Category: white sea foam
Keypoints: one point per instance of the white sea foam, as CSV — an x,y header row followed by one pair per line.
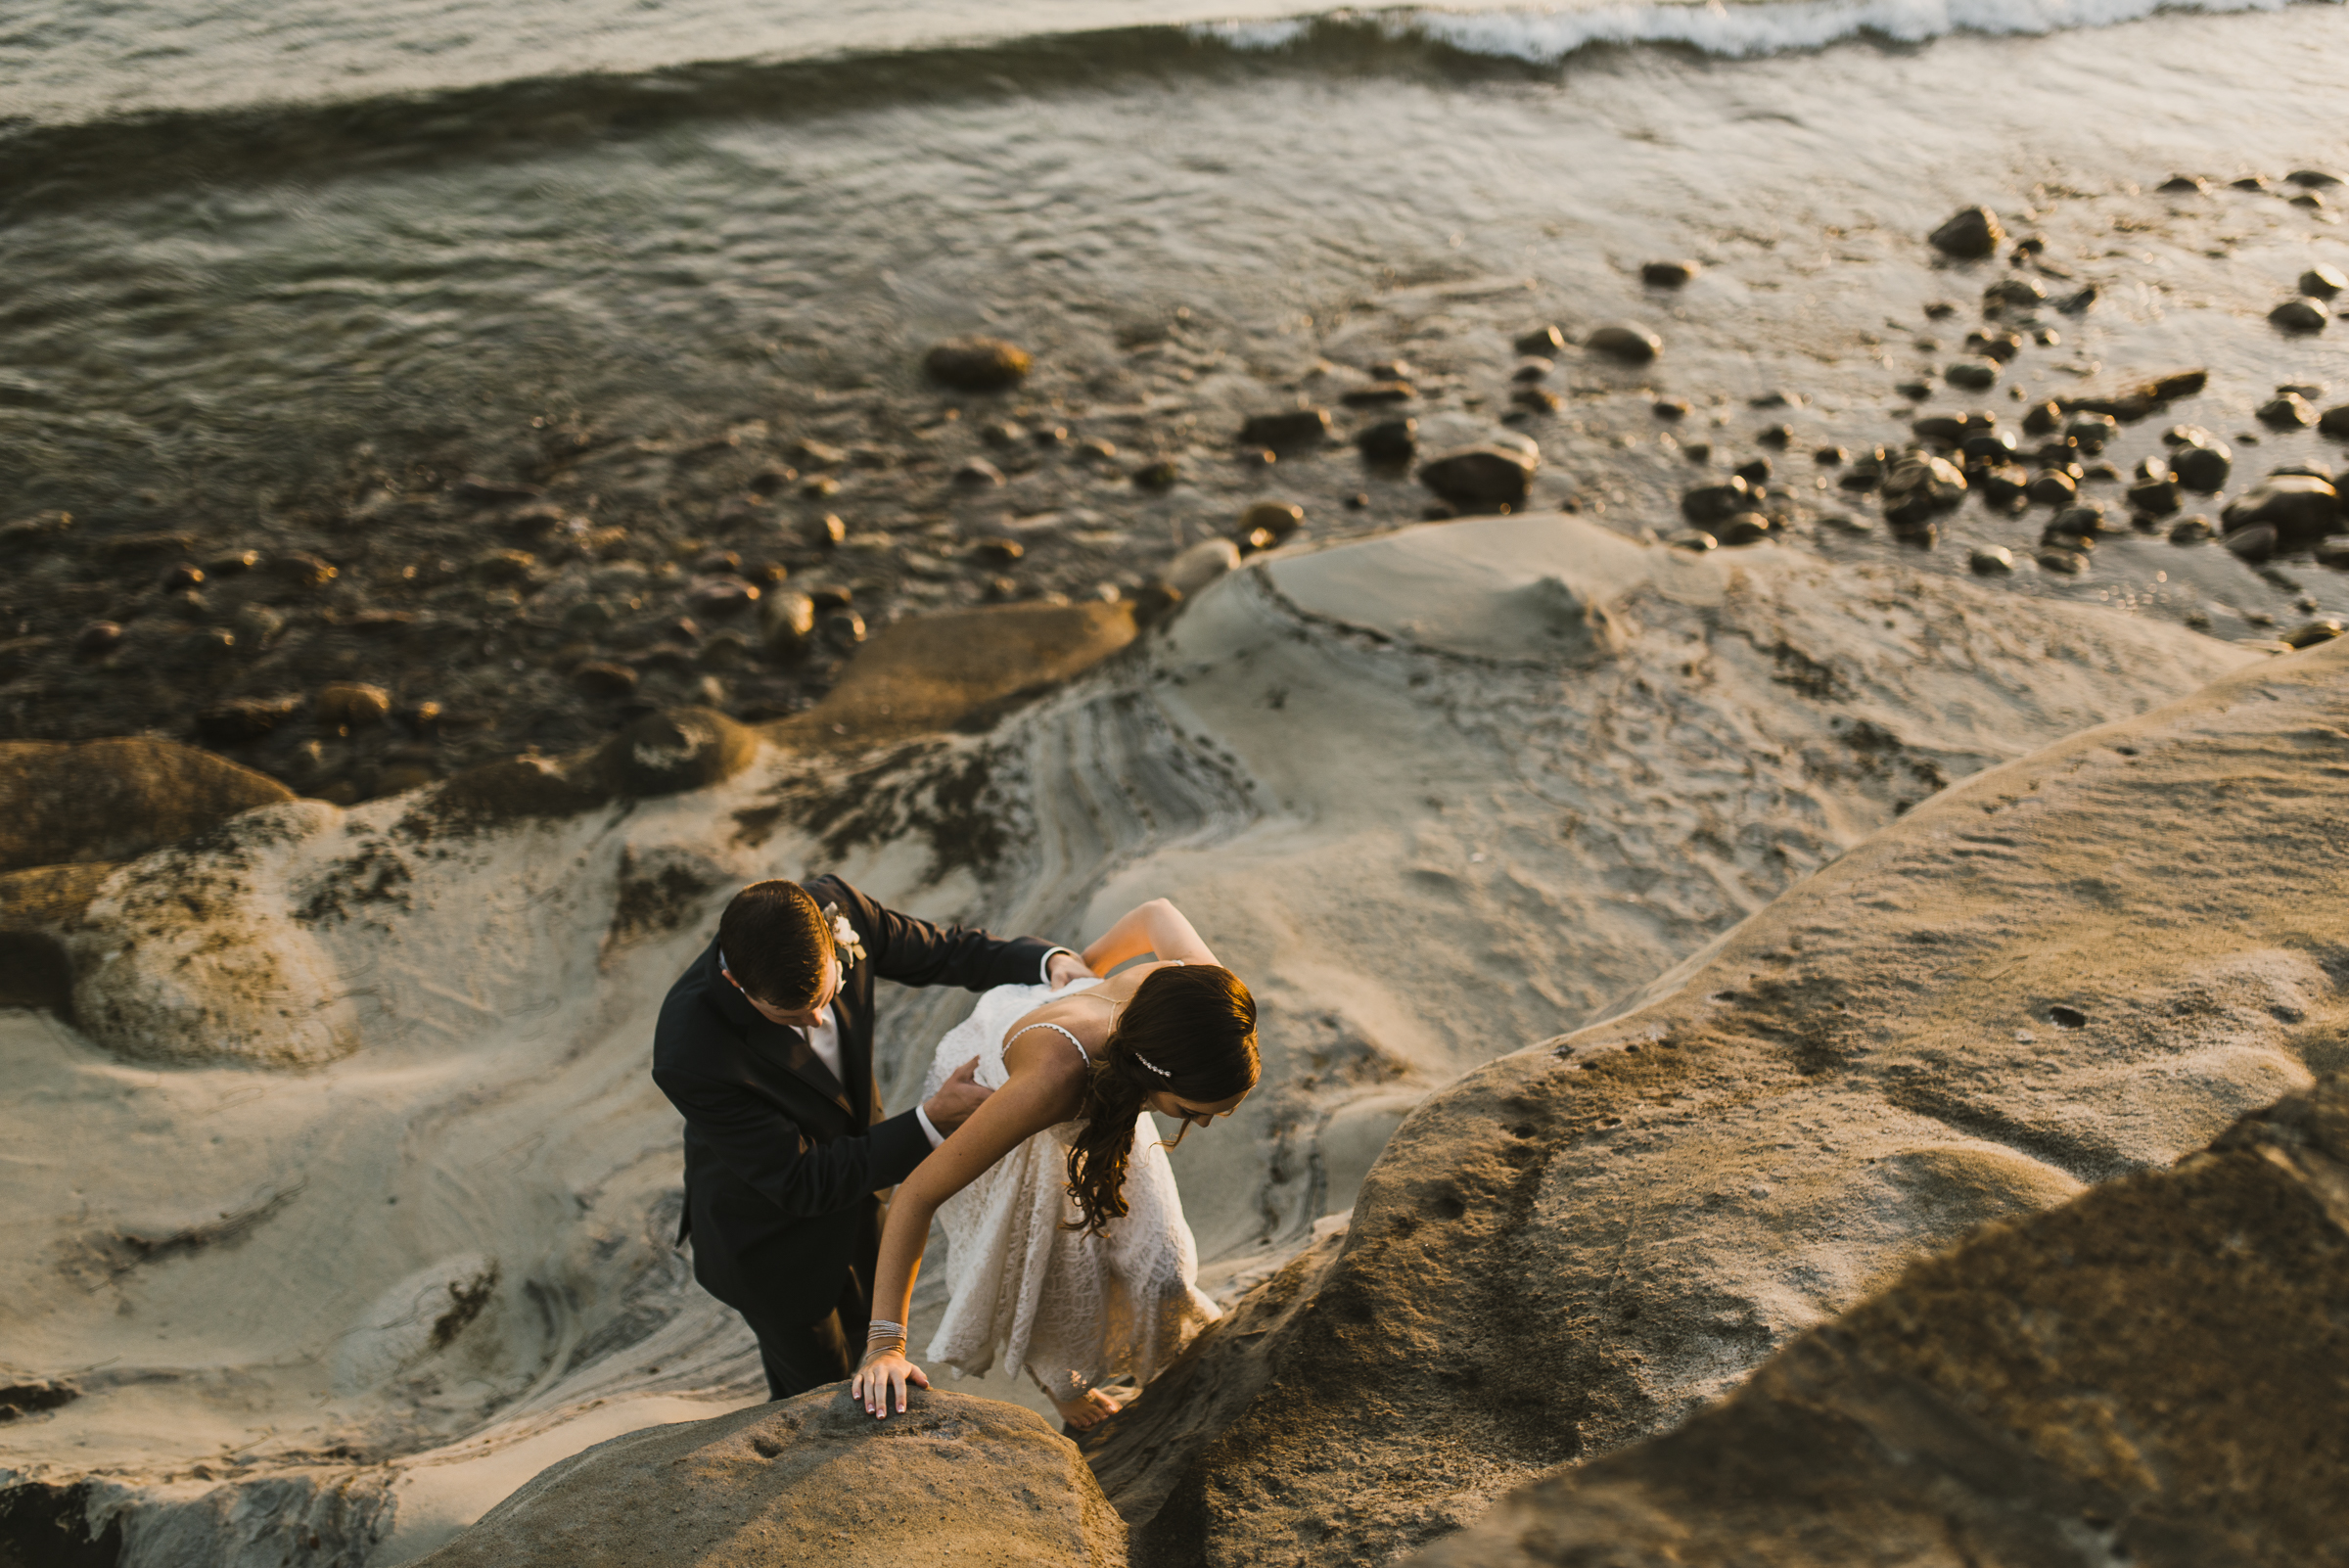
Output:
x,y
1757,27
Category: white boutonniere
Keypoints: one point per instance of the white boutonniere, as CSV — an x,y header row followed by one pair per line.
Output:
x,y
844,936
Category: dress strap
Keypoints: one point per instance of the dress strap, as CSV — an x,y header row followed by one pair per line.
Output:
x,y
1073,1039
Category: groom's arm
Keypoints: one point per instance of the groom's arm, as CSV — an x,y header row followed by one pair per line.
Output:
x,y
916,953
769,1152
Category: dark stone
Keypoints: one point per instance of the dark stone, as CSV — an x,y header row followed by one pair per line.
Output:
x,y
2287,411
2156,497
786,621
183,577
2195,529
2314,178
1746,528
1830,456
1534,399
2052,487
2334,422
299,568
2333,553
1989,447
2079,522
2041,418
1379,393
351,705
1990,560
98,639
1391,440
1625,341
1533,368
1917,392
1668,274
1543,339
2323,282
832,596
998,552
2255,543
722,596
2091,431
2311,633
2205,466
1916,486
1485,475
1270,522
244,718
1288,428
2061,561
1952,429
2300,315
1777,435
2185,185
1697,540
978,474
2002,485
1974,375
1162,475
977,364
2301,509
1669,408
2013,293
1755,472
2080,302
1969,234
1710,503
844,629
2178,384
600,677
827,531
1995,344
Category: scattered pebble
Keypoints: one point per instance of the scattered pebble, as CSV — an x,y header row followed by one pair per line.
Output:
x,y
1162,475
1286,429
2195,529
977,364
2300,315
1990,560
351,705
2287,411
600,677
2312,633
1486,474
1546,340
1668,274
1625,341
1975,375
1393,440
1969,234
2324,282
1669,408
978,474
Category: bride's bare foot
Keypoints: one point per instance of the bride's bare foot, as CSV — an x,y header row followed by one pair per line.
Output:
x,y
1091,1411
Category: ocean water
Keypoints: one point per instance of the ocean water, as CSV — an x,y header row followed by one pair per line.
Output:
x,y
240,243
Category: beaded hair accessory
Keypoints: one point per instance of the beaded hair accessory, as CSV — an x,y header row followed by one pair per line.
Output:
x,y
1153,1066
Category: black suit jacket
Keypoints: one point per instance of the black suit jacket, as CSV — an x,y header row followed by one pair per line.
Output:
x,y
782,1159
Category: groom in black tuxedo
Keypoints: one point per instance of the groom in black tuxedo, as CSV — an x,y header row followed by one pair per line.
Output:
x,y
765,1045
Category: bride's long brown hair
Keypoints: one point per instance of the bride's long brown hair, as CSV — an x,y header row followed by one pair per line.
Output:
x,y
1195,1021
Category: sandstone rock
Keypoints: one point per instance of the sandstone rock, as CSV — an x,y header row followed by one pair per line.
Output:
x,y
2176,1416
955,1481
930,673
1607,1226
1486,474
1628,342
115,800
672,751
977,364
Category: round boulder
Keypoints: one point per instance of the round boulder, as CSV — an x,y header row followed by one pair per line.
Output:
x,y
115,800
1488,473
675,750
977,364
953,1481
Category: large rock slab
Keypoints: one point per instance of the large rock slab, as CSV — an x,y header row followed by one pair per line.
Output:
x,y
114,800
953,1481
2068,968
2148,1375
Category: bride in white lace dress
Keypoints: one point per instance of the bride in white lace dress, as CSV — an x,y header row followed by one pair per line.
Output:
x,y
1067,1251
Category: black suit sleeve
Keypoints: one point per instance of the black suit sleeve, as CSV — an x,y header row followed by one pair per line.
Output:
x,y
770,1153
915,952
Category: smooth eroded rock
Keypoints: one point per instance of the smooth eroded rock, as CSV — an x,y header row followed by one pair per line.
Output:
x,y
115,800
977,364
1969,234
954,1482
2150,1366
1626,341
1488,473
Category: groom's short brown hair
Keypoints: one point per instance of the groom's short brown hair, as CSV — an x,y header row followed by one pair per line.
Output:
x,y
775,940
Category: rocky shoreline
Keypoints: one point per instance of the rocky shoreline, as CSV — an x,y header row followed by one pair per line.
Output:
x,y
526,593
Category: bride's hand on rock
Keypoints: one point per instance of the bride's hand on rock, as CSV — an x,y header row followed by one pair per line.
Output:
x,y
883,1376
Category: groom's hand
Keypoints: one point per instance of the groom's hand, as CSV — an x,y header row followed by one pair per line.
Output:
x,y
956,1098
1063,967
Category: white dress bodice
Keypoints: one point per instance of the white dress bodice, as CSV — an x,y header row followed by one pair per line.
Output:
x,y
1076,1309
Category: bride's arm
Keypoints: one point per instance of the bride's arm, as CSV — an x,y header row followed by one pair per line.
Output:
x,y
1155,927
1027,1104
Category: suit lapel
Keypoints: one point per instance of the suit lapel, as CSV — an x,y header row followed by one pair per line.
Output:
x,y
790,1046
